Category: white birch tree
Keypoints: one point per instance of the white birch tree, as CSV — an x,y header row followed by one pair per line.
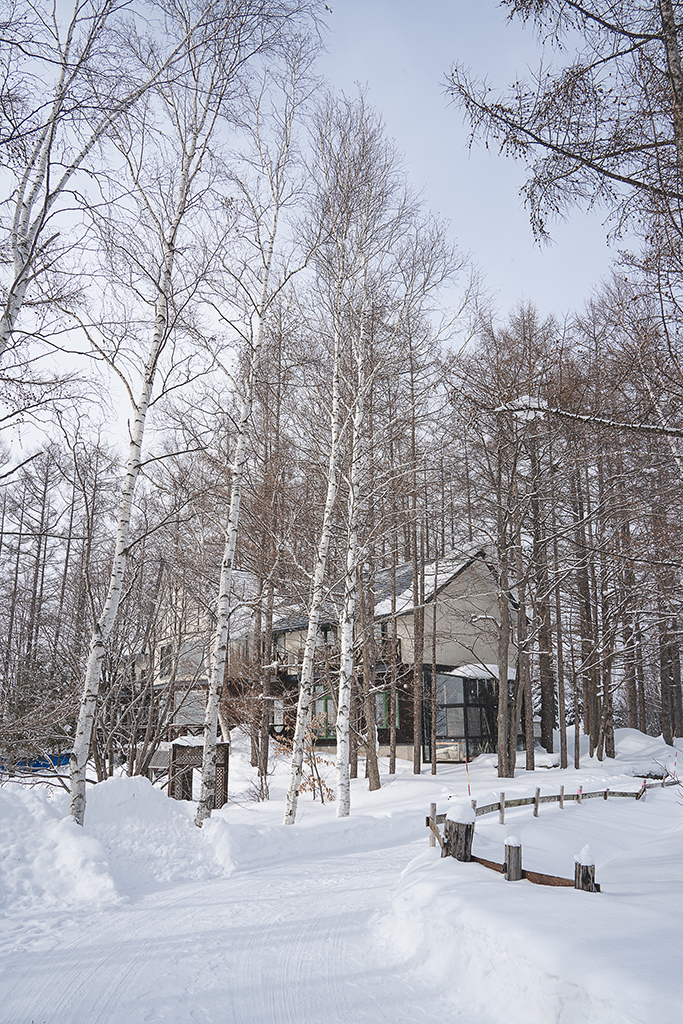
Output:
x,y
317,597
193,100
67,81
272,115
367,218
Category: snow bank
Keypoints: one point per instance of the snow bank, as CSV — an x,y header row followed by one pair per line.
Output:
x,y
532,954
495,949
483,949
134,840
45,858
150,841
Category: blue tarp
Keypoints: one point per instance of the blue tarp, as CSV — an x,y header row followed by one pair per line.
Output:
x,y
39,764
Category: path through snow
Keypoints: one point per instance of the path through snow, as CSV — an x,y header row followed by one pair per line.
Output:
x,y
292,946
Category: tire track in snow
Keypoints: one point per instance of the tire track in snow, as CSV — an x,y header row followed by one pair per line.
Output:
x,y
269,946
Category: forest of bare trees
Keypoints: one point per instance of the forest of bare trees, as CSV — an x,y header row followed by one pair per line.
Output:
x,y
229,334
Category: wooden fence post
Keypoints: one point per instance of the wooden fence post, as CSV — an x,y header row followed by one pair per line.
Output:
x,y
606,793
513,859
432,818
536,800
501,812
578,794
584,871
561,797
459,832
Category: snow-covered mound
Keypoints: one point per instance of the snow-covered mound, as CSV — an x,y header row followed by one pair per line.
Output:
x,y
45,858
140,916
134,840
150,841
531,954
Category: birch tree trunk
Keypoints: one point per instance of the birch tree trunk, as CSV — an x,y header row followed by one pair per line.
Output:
x,y
432,731
348,616
220,641
317,594
275,168
346,630
103,624
369,663
208,67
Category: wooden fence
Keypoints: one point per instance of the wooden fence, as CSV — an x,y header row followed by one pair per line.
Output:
x,y
433,821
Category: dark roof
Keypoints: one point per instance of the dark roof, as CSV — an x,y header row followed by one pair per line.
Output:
x,y
293,615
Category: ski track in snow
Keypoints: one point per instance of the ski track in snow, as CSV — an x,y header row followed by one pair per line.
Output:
x,y
256,948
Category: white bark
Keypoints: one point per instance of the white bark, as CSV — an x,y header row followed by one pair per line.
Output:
x,y
103,626
317,593
192,154
211,59
348,616
220,641
346,623
364,215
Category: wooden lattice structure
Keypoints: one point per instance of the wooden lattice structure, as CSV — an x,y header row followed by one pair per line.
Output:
x,y
181,760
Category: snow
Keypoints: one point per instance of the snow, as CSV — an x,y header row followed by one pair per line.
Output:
x,y
585,858
478,671
141,917
461,812
435,573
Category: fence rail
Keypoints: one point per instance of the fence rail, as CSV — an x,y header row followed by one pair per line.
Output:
x,y
561,797
458,841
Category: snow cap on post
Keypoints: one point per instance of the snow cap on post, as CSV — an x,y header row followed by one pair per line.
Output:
x,y
512,841
461,812
585,858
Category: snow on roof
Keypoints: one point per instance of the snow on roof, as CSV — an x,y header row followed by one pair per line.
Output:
x,y
439,573
244,591
293,614
478,671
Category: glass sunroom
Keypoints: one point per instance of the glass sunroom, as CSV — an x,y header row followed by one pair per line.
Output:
x,y
466,714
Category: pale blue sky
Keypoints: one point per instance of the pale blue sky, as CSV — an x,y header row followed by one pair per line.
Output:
x,y
402,50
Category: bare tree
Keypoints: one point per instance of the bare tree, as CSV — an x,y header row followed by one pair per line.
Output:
x,y
67,81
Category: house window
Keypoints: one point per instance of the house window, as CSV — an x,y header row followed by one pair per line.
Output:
x,y
323,716
165,658
449,689
465,716
383,710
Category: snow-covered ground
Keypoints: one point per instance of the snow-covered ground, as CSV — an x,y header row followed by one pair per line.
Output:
x,y
141,917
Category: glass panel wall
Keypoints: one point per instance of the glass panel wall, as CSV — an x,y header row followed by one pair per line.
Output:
x,y
465,717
